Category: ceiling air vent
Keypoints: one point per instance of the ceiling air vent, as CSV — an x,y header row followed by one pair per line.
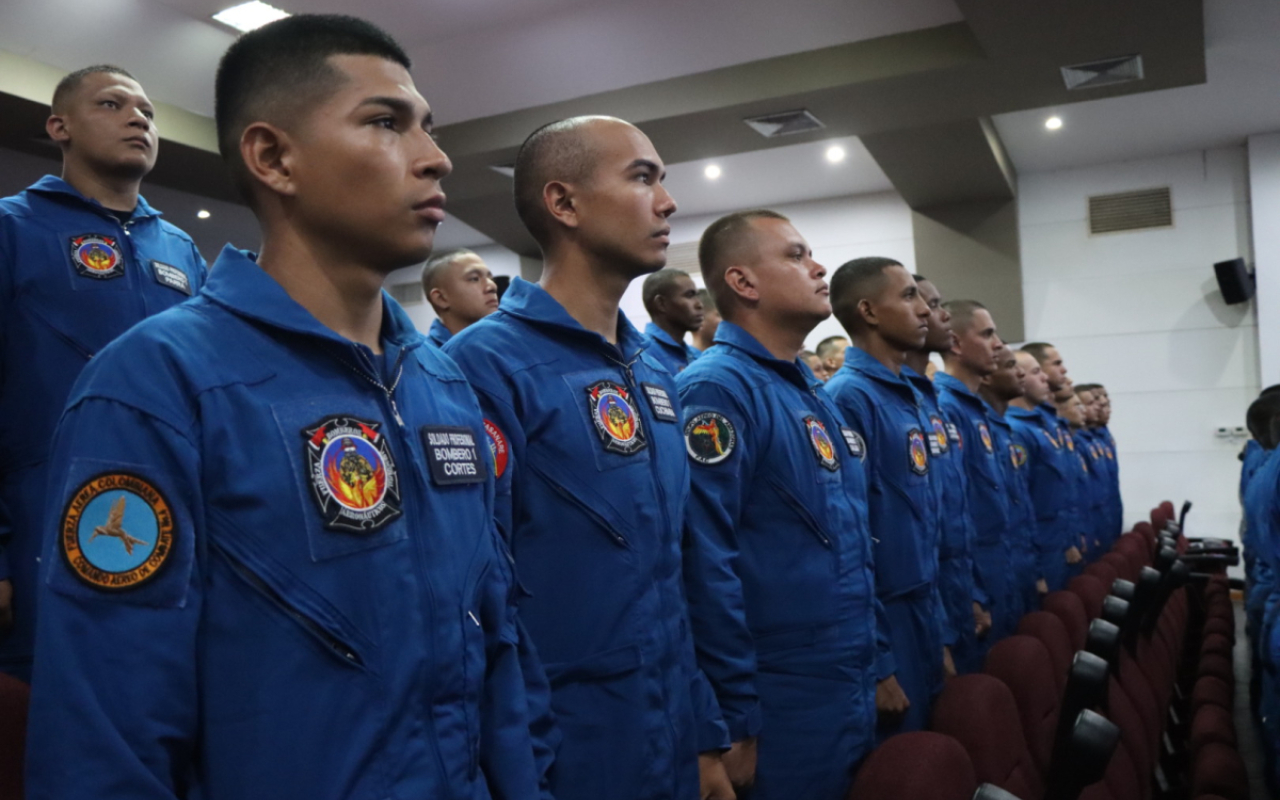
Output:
x,y
684,257
1131,211
1106,72
784,124
406,294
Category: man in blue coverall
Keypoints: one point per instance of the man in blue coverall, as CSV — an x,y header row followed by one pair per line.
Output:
x,y
593,482
1071,413
962,594
971,358
1116,502
82,259
272,564
1055,371
879,305
1098,518
461,290
1005,384
1036,426
779,572
675,309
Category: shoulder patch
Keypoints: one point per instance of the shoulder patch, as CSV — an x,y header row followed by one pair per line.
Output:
x,y
97,256
985,435
709,437
171,276
498,448
659,402
857,445
615,418
940,435
117,531
918,453
352,474
822,446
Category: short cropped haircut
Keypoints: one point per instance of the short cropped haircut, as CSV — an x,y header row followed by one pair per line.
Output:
x,y
1038,350
962,312
69,83
280,70
1261,413
809,354
722,244
828,346
1087,387
659,284
436,265
558,151
855,281
708,302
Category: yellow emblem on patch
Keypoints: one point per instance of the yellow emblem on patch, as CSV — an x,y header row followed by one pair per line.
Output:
x,y
117,531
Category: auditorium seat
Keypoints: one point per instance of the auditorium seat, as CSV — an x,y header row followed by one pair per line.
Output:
x,y
1092,591
922,765
14,698
1068,607
1053,635
1023,664
980,712
1219,769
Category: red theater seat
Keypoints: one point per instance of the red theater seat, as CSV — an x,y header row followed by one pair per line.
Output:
x,y
14,697
979,712
1023,664
916,766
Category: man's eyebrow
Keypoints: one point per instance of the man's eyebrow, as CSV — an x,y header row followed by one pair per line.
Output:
x,y
397,104
648,165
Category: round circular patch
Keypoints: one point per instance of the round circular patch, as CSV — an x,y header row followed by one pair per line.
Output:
x,y
918,452
985,435
97,256
354,474
1018,455
497,448
709,437
117,531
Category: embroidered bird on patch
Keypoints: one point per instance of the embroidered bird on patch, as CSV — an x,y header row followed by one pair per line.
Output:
x,y
114,527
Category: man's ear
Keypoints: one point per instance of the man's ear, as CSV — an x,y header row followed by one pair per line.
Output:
x,y
268,156
954,349
56,127
867,313
742,282
438,300
561,203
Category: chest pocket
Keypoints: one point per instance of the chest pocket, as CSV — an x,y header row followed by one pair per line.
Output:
x,y
347,478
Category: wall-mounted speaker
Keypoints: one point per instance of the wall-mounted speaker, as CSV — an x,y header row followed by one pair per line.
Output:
x,y
1235,280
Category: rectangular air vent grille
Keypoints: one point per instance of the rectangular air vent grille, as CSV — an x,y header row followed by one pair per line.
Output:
x,y
1106,72
1131,211
784,123
406,294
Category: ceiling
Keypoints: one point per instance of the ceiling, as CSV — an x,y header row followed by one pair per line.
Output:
x,y
887,74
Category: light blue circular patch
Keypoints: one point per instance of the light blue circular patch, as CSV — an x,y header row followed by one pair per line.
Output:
x,y
116,537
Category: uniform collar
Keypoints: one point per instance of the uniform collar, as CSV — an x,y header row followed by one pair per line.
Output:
x,y
1032,415
736,337
239,284
54,186
957,387
535,305
654,332
439,332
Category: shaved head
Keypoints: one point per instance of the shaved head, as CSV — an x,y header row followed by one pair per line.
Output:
x,y
560,151
962,314
729,241
855,281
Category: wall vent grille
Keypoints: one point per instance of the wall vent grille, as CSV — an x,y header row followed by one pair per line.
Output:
x,y
1131,211
1106,72
406,294
784,123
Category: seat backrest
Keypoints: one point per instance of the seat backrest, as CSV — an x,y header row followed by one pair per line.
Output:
x,y
1092,591
1053,635
922,765
979,712
14,698
1068,607
1023,664
1102,571
1122,566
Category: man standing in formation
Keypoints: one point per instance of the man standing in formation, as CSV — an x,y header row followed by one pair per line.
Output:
x,y
676,310
461,290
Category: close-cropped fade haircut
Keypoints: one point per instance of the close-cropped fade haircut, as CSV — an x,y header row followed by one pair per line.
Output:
x,y
659,284
723,243
1261,414
855,281
558,151
279,71
830,346
438,263
1038,350
70,82
962,312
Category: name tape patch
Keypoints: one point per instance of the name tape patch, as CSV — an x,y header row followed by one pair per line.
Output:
x,y
453,455
660,402
171,276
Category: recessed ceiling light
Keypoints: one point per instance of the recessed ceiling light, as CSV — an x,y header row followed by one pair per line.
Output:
x,y
1053,123
202,214
712,171
835,154
249,16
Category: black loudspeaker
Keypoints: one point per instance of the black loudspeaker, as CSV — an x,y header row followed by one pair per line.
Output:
x,y
1235,280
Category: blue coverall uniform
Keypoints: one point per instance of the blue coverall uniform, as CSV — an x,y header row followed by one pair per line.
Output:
x,y
270,576
780,577
1116,502
1100,514
592,488
993,550
957,575
1050,483
1082,491
1262,523
438,333
1012,456
72,278
1252,458
673,355
904,513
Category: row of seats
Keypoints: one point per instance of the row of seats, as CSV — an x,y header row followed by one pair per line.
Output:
x,y
1119,688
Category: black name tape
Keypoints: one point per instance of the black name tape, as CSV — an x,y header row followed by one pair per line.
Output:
x,y
660,402
174,278
452,455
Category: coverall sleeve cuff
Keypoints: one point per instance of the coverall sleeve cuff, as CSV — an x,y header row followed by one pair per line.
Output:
x,y
885,666
980,597
743,726
712,736
4,566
